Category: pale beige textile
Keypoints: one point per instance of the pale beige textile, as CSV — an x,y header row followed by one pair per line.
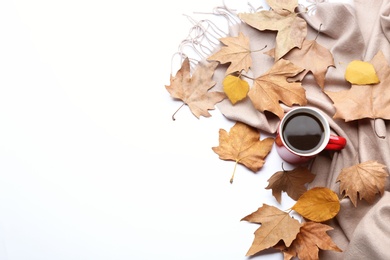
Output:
x,y
357,32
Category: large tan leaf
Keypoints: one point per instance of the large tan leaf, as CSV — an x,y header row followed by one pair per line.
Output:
x,y
272,87
291,29
364,180
293,182
194,90
365,101
276,225
318,204
311,237
243,145
313,57
236,52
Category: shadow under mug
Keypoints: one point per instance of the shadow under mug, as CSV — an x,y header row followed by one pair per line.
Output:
x,y
303,133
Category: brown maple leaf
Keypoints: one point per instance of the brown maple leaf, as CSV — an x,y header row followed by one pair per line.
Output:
x,y
365,101
276,225
272,87
236,52
311,237
293,182
243,145
313,57
364,180
291,29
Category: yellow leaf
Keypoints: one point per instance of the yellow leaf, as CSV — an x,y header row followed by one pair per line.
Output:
x,y
318,204
235,88
361,73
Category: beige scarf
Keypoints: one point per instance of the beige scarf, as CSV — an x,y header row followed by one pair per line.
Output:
x,y
358,32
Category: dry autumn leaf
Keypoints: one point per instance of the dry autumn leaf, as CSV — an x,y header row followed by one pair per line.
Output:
x,y
361,73
365,101
293,182
318,204
311,237
236,52
272,87
291,29
276,225
313,57
194,90
364,180
243,145
235,88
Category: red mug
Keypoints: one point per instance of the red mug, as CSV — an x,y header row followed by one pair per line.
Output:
x,y
303,133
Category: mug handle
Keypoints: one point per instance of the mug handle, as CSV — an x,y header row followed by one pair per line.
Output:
x,y
336,143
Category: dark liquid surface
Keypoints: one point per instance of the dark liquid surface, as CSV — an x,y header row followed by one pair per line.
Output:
x,y
303,133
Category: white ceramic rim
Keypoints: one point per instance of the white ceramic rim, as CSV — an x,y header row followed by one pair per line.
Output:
x,y
318,114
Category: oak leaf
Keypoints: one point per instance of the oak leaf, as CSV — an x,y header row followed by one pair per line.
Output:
x,y
364,180
293,182
235,88
243,145
361,73
276,225
365,101
313,57
236,52
311,237
318,204
272,87
291,29
194,90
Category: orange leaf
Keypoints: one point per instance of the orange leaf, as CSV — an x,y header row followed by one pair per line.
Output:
x,y
193,90
272,87
242,145
293,182
364,179
276,225
236,52
318,204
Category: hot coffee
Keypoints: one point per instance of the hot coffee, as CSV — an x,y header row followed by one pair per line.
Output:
x,y
303,132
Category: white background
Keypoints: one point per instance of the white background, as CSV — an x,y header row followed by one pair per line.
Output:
x,y
91,164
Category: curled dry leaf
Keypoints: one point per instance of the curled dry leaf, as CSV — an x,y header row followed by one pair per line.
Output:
x,y
291,29
313,57
364,180
318,204
365,101
272,87
276,225
235,88
311,237
236,52
293,182
243,145
194,90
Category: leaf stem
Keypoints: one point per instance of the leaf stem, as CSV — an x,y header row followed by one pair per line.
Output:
x,y
260,49
234,171
245,76
173,116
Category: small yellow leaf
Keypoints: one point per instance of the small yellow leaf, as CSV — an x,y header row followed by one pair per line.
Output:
x,y
235,88
361,73
318,204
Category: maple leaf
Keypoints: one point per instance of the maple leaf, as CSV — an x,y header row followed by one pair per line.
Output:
x,y
291,29
236,52
235,88
318,204
193,90
364,179
276,225
293,182
311,237
272,87
313,57
243,145
365,101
